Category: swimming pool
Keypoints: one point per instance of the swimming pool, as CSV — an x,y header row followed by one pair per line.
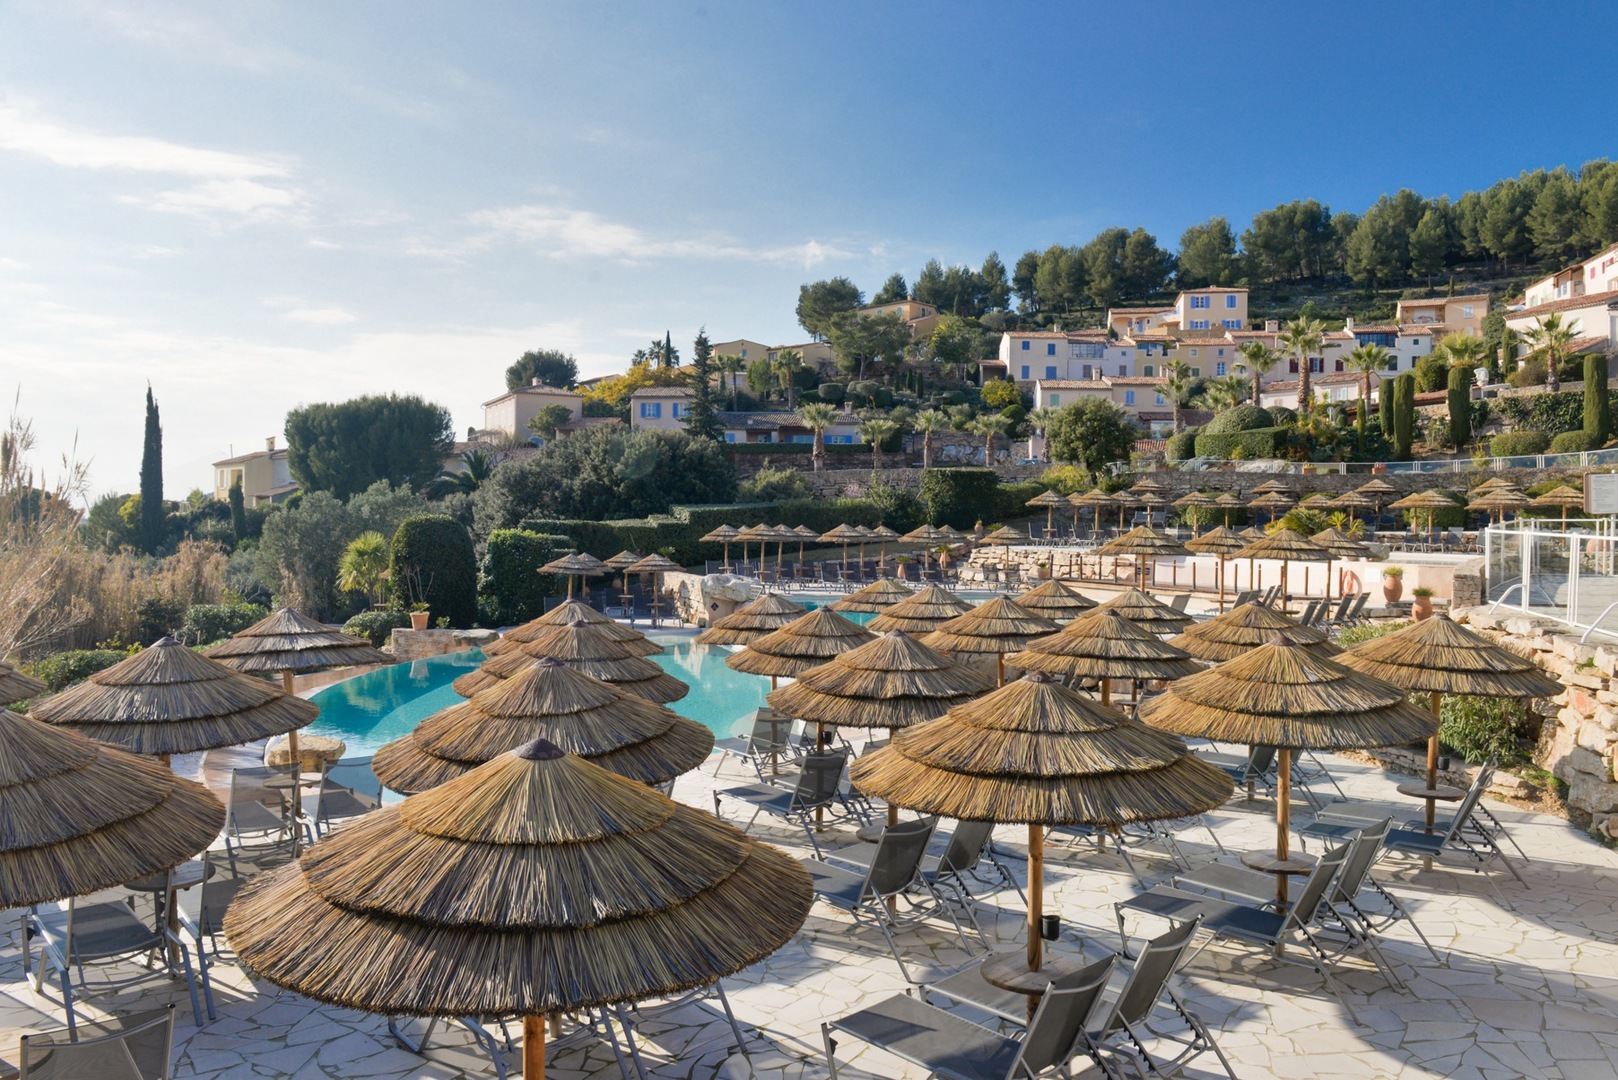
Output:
x,y
379,706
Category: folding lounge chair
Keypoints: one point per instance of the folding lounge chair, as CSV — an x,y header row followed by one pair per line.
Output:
x,y
764,748
137,1047
1135,1024
348,790
817,789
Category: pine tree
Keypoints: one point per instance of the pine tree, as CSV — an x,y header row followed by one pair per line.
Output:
x,y
151,481
1597,415
238,511
700,419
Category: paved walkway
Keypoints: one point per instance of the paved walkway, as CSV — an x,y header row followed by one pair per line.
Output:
x,y
1529,990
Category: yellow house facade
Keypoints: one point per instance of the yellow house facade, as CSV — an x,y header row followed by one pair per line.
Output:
x,y
511,411
1445,314
264,474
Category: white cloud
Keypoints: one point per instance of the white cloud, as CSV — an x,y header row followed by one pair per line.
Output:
x,y
226,184
320,316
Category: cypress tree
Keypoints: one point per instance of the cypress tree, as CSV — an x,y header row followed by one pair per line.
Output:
x,y
700,419
1597,414
238,511
1384,407
1404,415
151,480
1460,406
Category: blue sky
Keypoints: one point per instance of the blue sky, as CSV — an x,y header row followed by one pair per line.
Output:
x,y
256,205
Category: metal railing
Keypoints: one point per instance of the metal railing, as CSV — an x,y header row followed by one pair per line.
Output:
x,y
1582,460
1564,570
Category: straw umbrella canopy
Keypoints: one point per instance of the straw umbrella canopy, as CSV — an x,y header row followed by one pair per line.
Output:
x,y
1104,645
1560,497
1432,500
921,613
1289,546
15,686
1499,501
1318,501
1341,546
747,534
1251,533
656,564
1145,544
806,642
752,621
1272,487
168,699
1245,627
1494,483
82,816
1149,487
725,535
1379,491
884,535
584,647
874,598
782,535
627,734
1198,500
1227,502
992,629
1436,657
624,560
536,884
1273,503
1095,498
803,533
580,564
1147,612
1219,541
570,611
1125,501
926,536
1050,500
1037,753
1055,600
844,534
1352,501
1282,695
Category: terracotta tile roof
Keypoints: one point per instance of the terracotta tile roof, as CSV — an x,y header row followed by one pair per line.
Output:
x,y
1571,303
662,392
1036,334
1437,329
1139,311
1440,301
1155,415
1214,288
1072,384
587,422
1134,380
1380,328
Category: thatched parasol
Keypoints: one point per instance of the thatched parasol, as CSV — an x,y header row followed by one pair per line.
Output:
x,y
657,565
1352,501
1036,753
1341,546
1560,497
168,699
1054,600
803,533
1499,501
622,732
747,534
1432,500
1095,498
1050,500
1379,491
1125,502
623,560
1145,544
752,621
1244,628
1104,645
1251,533
921,613
1285,696
1435,656
580,564
584,647
15,686
1287,545
1318,501
1273,503
1494,483
1227,502
806,642
844,534
874,598
567,612
1272,487
536,884
1147,612
992,629
1149,487
725,534
1197,501
1219,541
82,816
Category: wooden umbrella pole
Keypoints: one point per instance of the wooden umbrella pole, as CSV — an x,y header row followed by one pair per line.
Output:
x,y
1432,759
533,1048
1221,584
1106,691
1036,895
1283,817
297,770
1000,668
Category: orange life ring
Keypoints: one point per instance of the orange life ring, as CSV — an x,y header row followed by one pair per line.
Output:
x,y
1347,582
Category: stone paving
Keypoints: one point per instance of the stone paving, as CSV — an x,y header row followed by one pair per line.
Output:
x,y
1528,990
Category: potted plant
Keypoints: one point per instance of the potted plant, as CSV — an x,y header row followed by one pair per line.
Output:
x,y
1393,585
418,616
903,562
1042,571
1422,606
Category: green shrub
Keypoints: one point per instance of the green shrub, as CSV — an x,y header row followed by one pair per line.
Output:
x,y
952,397
1480,728
1550,413
1575,442
64,669
1239,418
511,589
1266,442
207,623
1011,501
1519,443
1281,416
157,617
774,483
1182,446
831,393
377,626
1358,635
431,561
959,497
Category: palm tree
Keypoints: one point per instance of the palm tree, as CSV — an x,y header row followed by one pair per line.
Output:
x,y
1463,351
928,421
989,425
1366,359
1177,387
731,366
1554,336
788,362
1257,358
364,565
1224,392
817,416
1040,420
874,431
1304,336
479,467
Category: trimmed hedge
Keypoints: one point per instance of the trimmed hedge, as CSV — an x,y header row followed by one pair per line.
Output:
x,y
1239,418
1183,446
1281,416
1011,501
960,498
1266,442
1519,443
511,589
432,560
1576,442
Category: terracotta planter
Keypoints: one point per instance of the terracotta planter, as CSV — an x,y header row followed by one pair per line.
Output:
x,y
418,620
1043,573
1421,607
1392,588
902,572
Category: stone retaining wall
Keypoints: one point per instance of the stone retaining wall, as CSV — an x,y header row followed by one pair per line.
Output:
x,y
408,644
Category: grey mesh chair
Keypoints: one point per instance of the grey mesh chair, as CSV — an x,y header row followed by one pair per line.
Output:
x,y
818,788
257,812
763,748
948,1045
350,789
139,1049
964,863
1134,1026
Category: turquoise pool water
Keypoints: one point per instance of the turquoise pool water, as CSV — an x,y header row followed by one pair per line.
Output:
x,y
379,706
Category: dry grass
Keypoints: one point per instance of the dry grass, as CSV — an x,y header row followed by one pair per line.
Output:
x,y
15,686
1435,655
1147,612
1241,629
1054,600
805,643
291,641
1036,752
1282,695
584,647
81,816
170,700
752,621
574,611
534,884
1104,645
892,682
874,598
620,732
921,613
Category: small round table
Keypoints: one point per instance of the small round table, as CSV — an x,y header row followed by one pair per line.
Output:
x,y
187,875
1267,863
1009,971
1442,793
